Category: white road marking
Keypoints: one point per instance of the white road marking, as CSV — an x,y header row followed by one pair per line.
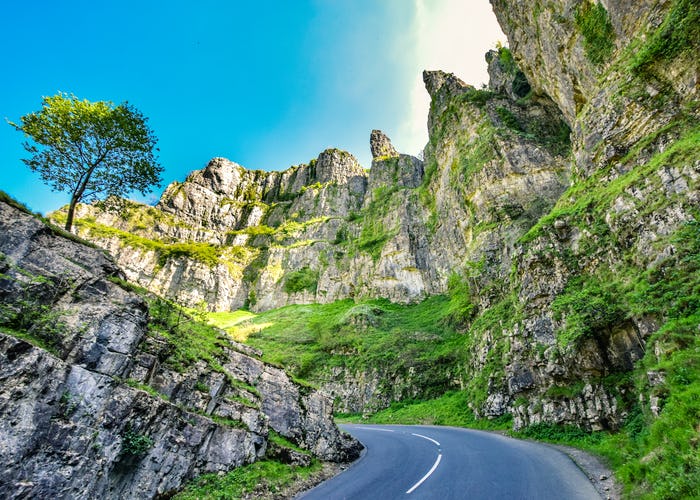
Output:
x,y
376,429
425,437
432,469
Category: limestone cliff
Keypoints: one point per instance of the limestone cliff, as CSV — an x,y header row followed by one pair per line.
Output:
x,y
98,399
555,195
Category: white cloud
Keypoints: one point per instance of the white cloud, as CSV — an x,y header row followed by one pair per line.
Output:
x,y
451,35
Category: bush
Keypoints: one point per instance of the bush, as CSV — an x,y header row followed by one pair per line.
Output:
x,y
303,279
135,444
589,305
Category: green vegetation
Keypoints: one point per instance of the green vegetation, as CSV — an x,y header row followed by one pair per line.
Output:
x,y
509,119
203,252
590,198
449,409
135,444
654,456
145,387
190,340
283,442
374,234
90,150
31,313
310,339
300,280
597,31
679,32
6,198
591,305
261,479
521,87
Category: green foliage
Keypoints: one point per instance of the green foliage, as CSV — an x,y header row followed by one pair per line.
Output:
x,y
260,230
145,387
477,96
597,31
373,237
265,477
90,150
679,32
505,57
565,391
300,280
590,305
509,119
34,321
135,444
449,409
206,253
591,198
308,340
283,442
29,310
189,340
341,236
461,309
559,434
374,234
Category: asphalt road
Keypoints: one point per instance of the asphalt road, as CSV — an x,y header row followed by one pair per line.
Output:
x,y
441,463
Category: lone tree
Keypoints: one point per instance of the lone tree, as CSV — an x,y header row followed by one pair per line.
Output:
x,y
91,150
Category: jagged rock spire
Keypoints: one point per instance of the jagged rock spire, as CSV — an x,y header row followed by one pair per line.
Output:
x,y
380,145
436,80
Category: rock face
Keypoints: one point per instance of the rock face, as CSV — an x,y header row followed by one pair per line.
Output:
x,y
380,145
100,411
576,165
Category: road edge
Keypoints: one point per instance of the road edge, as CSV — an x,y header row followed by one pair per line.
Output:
x,y
595,469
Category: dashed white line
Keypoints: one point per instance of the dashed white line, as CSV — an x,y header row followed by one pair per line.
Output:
x,y
376,429
425,437
432,469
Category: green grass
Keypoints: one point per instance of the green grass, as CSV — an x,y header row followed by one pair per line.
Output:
x,y
592,197
679,32
310,339
597,31
590,305
262,479
203,252
374,234
6,198
190,340
449,409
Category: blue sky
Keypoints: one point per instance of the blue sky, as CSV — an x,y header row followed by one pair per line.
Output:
x,y
267,84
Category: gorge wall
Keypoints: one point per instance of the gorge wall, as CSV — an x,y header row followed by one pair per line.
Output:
x,y
562,196
100,395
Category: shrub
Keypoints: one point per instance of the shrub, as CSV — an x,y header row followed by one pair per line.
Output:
x,y
303,279
597,31
134,444
589,305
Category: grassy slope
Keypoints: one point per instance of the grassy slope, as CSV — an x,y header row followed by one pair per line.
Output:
x,y
372,334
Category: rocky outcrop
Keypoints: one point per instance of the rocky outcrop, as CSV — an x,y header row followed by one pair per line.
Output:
x,y
380,145
93,404
575,163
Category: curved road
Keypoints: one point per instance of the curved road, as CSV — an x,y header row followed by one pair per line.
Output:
x,y
426,462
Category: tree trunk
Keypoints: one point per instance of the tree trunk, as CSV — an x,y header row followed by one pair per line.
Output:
x,y
71,213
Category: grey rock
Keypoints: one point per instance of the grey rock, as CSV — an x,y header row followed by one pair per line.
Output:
x,y
380,145
69,422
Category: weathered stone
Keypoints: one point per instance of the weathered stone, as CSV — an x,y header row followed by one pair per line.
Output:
x,y
380,145
69,425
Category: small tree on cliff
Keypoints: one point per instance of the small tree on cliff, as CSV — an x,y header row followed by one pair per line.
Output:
x,y
91,150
